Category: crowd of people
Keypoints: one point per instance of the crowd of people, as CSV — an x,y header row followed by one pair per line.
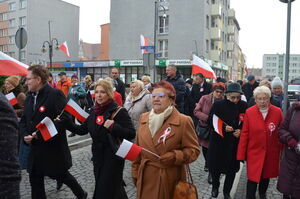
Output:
x,y
176,119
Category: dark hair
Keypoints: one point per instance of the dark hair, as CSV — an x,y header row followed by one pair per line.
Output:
x,y
172,66
199,75
168,86
240,82
40,71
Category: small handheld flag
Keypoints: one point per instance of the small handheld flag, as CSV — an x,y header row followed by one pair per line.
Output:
x,y
218,125
11,98
47,128
129,151
73,108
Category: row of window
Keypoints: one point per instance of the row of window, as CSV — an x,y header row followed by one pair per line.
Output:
x,y
280,58
13,5
4,48
275,64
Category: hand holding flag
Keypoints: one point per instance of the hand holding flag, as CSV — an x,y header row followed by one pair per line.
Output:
x,y
47,128
73,108
11,98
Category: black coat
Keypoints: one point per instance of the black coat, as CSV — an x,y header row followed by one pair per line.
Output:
x,y
120,88
108,168
222,151
248,89
10,175
53,156
197,92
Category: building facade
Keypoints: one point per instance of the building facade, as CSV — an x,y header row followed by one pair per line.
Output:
x,y
35,16
207,28
273,66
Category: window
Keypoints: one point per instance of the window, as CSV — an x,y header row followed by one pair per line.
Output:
x,y
163,47
207,45
3,48
207,21
11,39
163,24
12,6
12,54
3,16
22,54
229,54
22,21
23,4
3,32
12,23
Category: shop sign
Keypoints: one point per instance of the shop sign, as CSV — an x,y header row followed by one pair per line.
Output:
x,y
96,64
73,64
180,62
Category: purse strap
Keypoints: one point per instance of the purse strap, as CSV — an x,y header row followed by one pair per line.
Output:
x,y
189,175
116,112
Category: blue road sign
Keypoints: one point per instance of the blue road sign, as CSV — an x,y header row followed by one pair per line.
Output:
x,y
147,47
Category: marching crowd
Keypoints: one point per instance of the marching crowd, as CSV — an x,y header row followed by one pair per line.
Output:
x,y
174,119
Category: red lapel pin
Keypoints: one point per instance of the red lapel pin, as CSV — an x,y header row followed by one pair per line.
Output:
x,y
100,120
42,109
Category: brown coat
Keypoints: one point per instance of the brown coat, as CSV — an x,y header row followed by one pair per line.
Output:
x,y
153,178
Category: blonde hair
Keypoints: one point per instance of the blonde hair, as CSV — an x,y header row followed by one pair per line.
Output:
x,y
146,78
107,86
262,90
139,83
265,83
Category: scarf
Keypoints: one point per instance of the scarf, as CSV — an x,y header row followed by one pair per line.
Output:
x,y
157,120
101,108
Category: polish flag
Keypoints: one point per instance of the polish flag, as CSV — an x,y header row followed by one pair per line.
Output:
x,y
11,98
73,108
128,150
10,66
47,128
246,70
144,42
64,48
218,124
92,92
200,66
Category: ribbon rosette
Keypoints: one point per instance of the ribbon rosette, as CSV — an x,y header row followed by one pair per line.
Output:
x,y
272,127
166,134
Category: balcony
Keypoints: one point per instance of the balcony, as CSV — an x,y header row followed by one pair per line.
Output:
x,y
215,33
230,29
215,55
216,10
231,13
230,46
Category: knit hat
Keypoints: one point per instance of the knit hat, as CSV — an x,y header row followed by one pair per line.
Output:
x,y
13,80
234,88
277,82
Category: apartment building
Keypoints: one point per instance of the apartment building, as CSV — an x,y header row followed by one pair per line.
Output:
x,y
207,28
273,65
34,16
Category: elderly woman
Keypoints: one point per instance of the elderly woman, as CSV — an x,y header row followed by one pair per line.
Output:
x,y
202,111
147,82
138,101
289,174
223,144
259,143
277,90
107,124
170,135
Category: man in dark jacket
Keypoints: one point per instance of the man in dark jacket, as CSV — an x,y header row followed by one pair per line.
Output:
x,y
249,87
46,158
174,77
9,167
120,87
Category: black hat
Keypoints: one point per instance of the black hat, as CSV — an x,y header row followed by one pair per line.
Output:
x,y
189,81
62,73
234,88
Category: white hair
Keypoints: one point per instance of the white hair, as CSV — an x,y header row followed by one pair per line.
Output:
x,y
262,90
139,83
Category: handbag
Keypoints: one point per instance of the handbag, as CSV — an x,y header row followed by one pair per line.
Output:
x,y
202,132
114,142
186,190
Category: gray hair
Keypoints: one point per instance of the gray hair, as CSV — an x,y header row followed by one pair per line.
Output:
x,y
262,90
139,83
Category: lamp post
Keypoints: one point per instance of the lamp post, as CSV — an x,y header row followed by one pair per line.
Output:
x,y
287,54
156,6
50,44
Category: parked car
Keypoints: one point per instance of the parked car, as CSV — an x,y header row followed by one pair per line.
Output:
x,y
294,92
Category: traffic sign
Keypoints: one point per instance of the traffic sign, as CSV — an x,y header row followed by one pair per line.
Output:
x,y
147,47
21,38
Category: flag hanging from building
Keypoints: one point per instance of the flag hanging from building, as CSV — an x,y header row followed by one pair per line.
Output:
x,y
11,98
200,66
128,150
73,108
11,66
47,128
144,42
65,49
218,125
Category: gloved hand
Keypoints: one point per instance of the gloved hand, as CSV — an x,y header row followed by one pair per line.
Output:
x,y
167,158
292,143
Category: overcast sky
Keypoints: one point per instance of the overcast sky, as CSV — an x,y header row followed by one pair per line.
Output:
x,y
262,22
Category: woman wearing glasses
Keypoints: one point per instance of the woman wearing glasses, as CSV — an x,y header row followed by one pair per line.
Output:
x,y
223,145
259,143
170,135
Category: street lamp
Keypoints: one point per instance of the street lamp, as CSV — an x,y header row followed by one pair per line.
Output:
x,y
50,44
156,6
287,54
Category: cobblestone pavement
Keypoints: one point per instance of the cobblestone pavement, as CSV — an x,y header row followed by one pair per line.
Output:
x,y
83,171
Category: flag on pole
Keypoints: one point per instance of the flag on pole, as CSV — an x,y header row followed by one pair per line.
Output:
x,y
47,128
11,66
73,108
64,48
11,98
218,125
144,42
246,70
128,150
200,66
92,92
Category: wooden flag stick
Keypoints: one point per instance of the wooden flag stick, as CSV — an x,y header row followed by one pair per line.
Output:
x,y
61,113
151,152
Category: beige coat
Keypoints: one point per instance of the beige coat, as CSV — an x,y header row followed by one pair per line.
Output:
x,y
153,178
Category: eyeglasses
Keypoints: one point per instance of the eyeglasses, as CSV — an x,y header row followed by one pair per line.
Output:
x,y
160,95
262,99
234,97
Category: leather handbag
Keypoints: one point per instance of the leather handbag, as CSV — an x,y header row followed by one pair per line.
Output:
x,y
186,190
202,132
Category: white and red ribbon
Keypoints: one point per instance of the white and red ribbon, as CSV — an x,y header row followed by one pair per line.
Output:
x,y
272,128
166,134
